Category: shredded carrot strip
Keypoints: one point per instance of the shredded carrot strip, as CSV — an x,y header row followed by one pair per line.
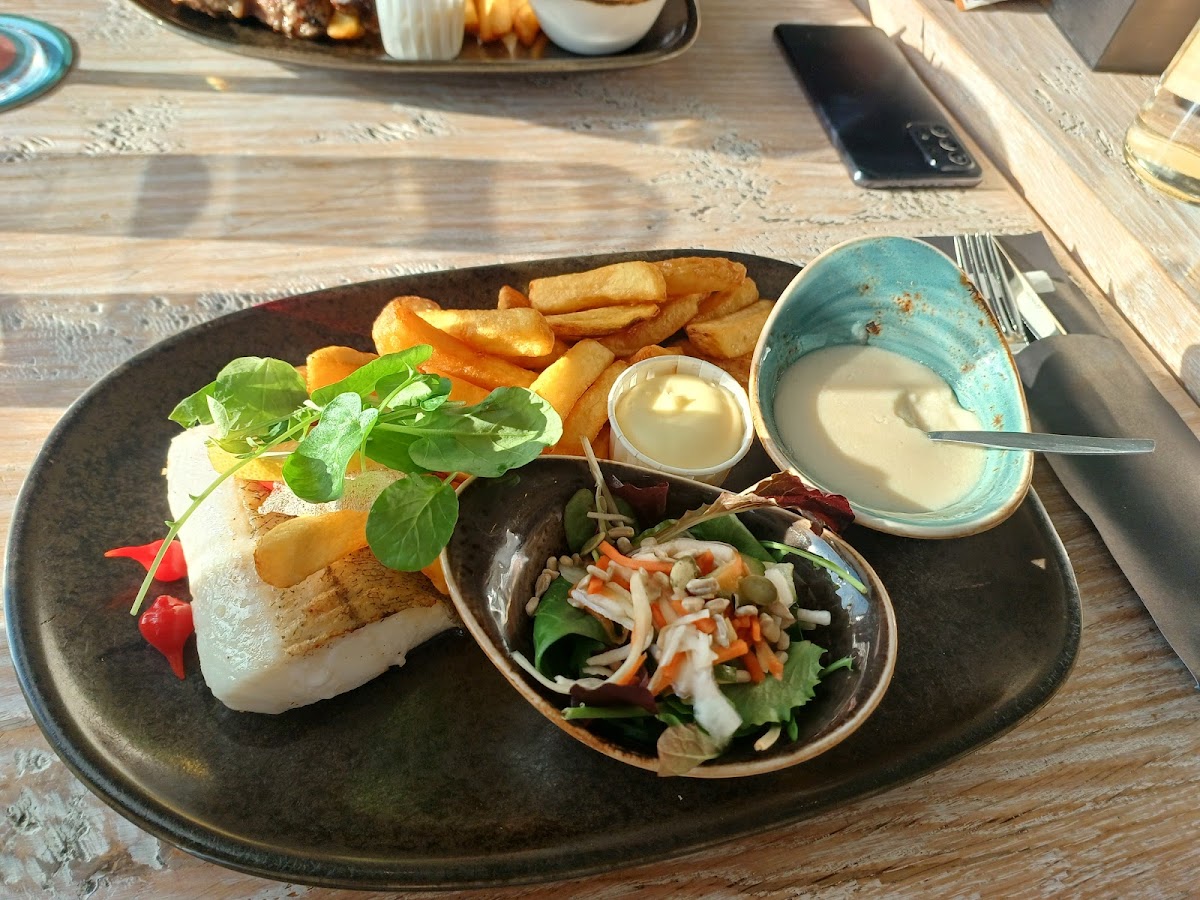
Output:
x,y
733,651
677,605
630,676
774,666
665,676
755,630
667,612
619,580
596,585
660,621
650,565
708,626
706,561
750,661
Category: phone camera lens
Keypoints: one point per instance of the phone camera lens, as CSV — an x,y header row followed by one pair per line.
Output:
x,y
947,144
940,131
959,158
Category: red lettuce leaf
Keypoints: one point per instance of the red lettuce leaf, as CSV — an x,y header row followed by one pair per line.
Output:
x,y
649,503
831,510
614,694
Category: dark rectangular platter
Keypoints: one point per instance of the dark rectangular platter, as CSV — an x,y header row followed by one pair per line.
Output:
x,y
438,774
673,32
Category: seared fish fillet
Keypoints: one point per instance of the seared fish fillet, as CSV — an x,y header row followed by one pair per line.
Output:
x,y
265,649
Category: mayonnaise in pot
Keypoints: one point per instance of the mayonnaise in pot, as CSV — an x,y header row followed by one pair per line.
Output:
x,y
681,420
854,418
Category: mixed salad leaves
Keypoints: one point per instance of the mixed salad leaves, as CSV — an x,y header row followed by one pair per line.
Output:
x,y
387,412
682,637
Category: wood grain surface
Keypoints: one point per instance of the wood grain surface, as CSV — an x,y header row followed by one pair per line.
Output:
x,y
1057,129
167,183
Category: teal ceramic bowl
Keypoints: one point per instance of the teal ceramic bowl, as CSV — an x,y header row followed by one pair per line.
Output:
x,y
902,295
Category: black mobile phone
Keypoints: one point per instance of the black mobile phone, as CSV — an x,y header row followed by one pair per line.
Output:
x,y
887,126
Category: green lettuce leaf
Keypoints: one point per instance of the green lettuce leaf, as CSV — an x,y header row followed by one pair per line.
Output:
x,y
772,700
556,619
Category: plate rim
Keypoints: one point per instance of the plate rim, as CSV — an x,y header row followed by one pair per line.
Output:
x,y
511,66
513,868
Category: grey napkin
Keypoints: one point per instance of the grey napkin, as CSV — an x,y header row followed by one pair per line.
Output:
x,y
1145,506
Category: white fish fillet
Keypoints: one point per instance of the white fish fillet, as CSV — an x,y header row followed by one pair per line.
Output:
x,y
267,650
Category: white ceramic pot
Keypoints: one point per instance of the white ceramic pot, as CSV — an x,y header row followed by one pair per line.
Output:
x,y
421,29
596,27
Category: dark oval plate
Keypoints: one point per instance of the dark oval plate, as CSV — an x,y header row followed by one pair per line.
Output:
x,y
439,774
673,32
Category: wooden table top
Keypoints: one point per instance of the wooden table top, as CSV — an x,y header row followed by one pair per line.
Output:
x,y
166,183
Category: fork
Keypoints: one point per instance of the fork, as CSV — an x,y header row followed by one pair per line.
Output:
x,y
978,257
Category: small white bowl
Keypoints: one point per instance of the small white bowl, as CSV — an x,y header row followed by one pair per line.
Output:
x,y
624,451
596,27
421,29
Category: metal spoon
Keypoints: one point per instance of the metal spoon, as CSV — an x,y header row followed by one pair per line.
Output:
x,y
1045,443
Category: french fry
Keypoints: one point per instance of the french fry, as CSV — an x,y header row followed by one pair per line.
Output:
x,y
602,446
328,365
295,549
590,413
563,383
436,574
737,366
732,335
511,298
417,304
628,282
502,332
652,351
672,316
600,321
470,17
540,363
700,274
397,328
722,303
495,19
525,23
345,25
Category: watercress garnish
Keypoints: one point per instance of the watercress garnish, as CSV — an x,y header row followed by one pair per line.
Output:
x,y
388,412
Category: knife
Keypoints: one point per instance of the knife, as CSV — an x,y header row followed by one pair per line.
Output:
x,y
1145,507
1039,321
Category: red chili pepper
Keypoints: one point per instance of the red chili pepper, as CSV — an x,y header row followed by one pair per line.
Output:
x,y
166,625
172,568
267,486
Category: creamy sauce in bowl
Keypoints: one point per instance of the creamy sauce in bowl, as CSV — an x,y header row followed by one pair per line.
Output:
x,y
681,420
854,418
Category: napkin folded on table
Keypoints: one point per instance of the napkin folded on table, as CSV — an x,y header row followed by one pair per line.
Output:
x,y
1146,506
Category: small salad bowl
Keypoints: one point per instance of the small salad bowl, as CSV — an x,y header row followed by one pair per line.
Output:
x,y
902,295
509,527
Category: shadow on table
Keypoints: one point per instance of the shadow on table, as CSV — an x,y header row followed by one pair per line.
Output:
x,y
451,205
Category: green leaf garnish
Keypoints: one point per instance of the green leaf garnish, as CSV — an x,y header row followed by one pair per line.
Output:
x,y
510,427
411,521
316,469
389,411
